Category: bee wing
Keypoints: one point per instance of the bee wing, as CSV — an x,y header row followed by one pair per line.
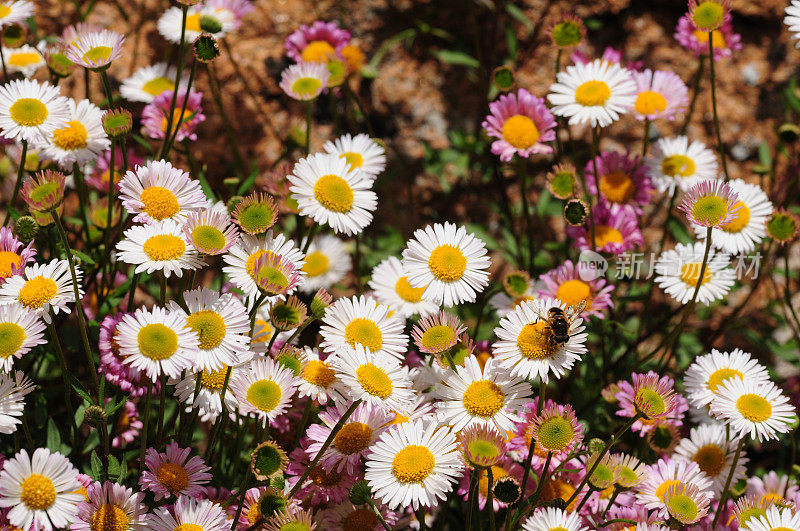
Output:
x,y
577,309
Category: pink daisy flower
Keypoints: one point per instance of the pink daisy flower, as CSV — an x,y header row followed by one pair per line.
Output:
x,y
610,55
13,259
314,43
665,473
659,94
657,394
129,379
155,115
725,40
521,123
111,501
616,230
566,284
98,179
322,486
520,438
771,486
173,473
624,180
710,204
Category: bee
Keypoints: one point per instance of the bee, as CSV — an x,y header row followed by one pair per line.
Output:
x,y
558,322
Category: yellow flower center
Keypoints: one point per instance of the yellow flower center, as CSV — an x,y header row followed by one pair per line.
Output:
x,y
438,337
173,477
264,395
406,291
353,438
360,519
364,332
690,273
36,292
176,120
447,263
678,166
208,239
710,210
317,52
719,376
306,87
157,341
193,22
558,488
683,508
482,448
214,380
717,38
334,193
534,341
413,464
555,434
159,203
374,380
71,137
38,492
355,160
711,459
319,373
754,408
98,53
592,93
317,263
627,476
483,483
649,402
649,102
12,336
520,131
617,186
483,398
23,59
662,489
740,221
604,234
9,259
210,328
164,247
4,11
188,527
157,85
28,112
109,517
250,266
573,292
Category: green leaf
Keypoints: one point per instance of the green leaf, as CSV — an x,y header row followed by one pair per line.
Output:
x,y
113,466
85,258
53,436
455,57
123,471
119,404
78,386
247,183
206,187
97,467
678,231
764,155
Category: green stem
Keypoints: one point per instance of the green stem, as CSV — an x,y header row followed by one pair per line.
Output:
x,y
471,497
161,411
65,373
646,139
18,183
107,88
526,215
698,76
174,136
539,406
490,498
132,291
724,496
611,501
309,110
720,147
311,233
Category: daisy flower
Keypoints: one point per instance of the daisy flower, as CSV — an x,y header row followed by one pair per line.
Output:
x,y
770,487
675,162
623,180
148,82
158,191
173,473
221,325
327,262
256,213
659,94
13,388
13,259
709,447
318,380
555,430
160,246
653,398
413,465
210,232
42,287
565,284
112,363
351,443
44,192
322,486
437,334
110,506
377,379
329,191
26,59
666,473
724,39
81,140
710,204
471,395
264,389
15,12
128,425
305,81
20,331
521,124
208,400
482,445
747,509
551,518
758,409
155,115
42,490
316,42
450,263
241,259
525,344
707,373
775,519
686,504
792,20
170,25
616,230
361,152
362,321
95,49
30,110
748,228
189,514
678,272
631,472
157,342
390,286
595,93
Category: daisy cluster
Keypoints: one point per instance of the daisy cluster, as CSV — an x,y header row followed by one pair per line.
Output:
x,y
184,353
